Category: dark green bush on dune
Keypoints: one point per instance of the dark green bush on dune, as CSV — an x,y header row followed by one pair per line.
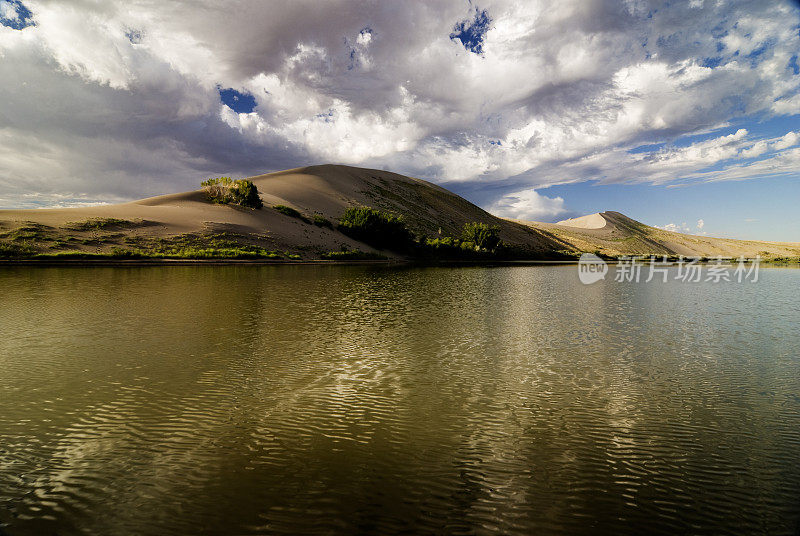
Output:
x,y
484,236
478,241
383,230
226,191
380,230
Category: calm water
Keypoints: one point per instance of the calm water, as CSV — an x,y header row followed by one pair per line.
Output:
x,y
242,399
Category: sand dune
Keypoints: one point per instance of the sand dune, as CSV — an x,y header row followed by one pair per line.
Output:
x,y
617,234
327,190
592,221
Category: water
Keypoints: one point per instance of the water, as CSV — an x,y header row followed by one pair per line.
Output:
x,y
308,399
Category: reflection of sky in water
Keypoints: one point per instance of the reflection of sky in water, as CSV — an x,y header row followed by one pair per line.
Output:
x,y
160,400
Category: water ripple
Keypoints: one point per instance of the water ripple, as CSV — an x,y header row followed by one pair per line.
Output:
x,y
319,400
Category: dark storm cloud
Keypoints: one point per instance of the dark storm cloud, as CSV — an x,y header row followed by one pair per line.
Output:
x,y
121,99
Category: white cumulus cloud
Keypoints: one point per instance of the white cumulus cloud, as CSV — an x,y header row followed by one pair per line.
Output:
x,y
528,205
675,227
120,99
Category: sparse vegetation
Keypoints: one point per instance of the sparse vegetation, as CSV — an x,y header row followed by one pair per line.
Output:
x,y
25,232
379,229
781,260
208,245
321,221
200,246
227,191
73,254
16,250
98,224
352,255
289,211
187,253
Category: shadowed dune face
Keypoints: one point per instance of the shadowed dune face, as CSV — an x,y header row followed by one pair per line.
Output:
x,y
428,209
326,191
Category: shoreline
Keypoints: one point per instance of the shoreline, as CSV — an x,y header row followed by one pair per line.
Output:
x,y
265,262
90,262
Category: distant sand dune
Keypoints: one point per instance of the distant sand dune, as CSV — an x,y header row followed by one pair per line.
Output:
x,y
592,221
613,233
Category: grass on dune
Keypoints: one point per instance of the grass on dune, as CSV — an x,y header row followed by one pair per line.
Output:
x,y
100,224
321,221
119,246
292,213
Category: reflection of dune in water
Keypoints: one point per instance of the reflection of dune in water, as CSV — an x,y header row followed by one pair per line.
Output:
x,y
339,399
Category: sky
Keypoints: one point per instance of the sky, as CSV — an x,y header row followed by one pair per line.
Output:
x,y
681,114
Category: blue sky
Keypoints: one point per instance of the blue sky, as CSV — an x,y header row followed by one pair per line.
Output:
x,y
765,207
239,102
748,209
670,112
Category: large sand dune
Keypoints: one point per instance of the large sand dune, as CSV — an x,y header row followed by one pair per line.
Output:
x,y
327,191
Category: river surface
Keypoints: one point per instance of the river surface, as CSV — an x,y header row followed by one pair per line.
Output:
x,y
360,400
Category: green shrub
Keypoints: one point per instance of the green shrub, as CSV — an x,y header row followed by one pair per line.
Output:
x,y
289,211
482,235
126,253
378,229
226,191
322,221
448,247
443,243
